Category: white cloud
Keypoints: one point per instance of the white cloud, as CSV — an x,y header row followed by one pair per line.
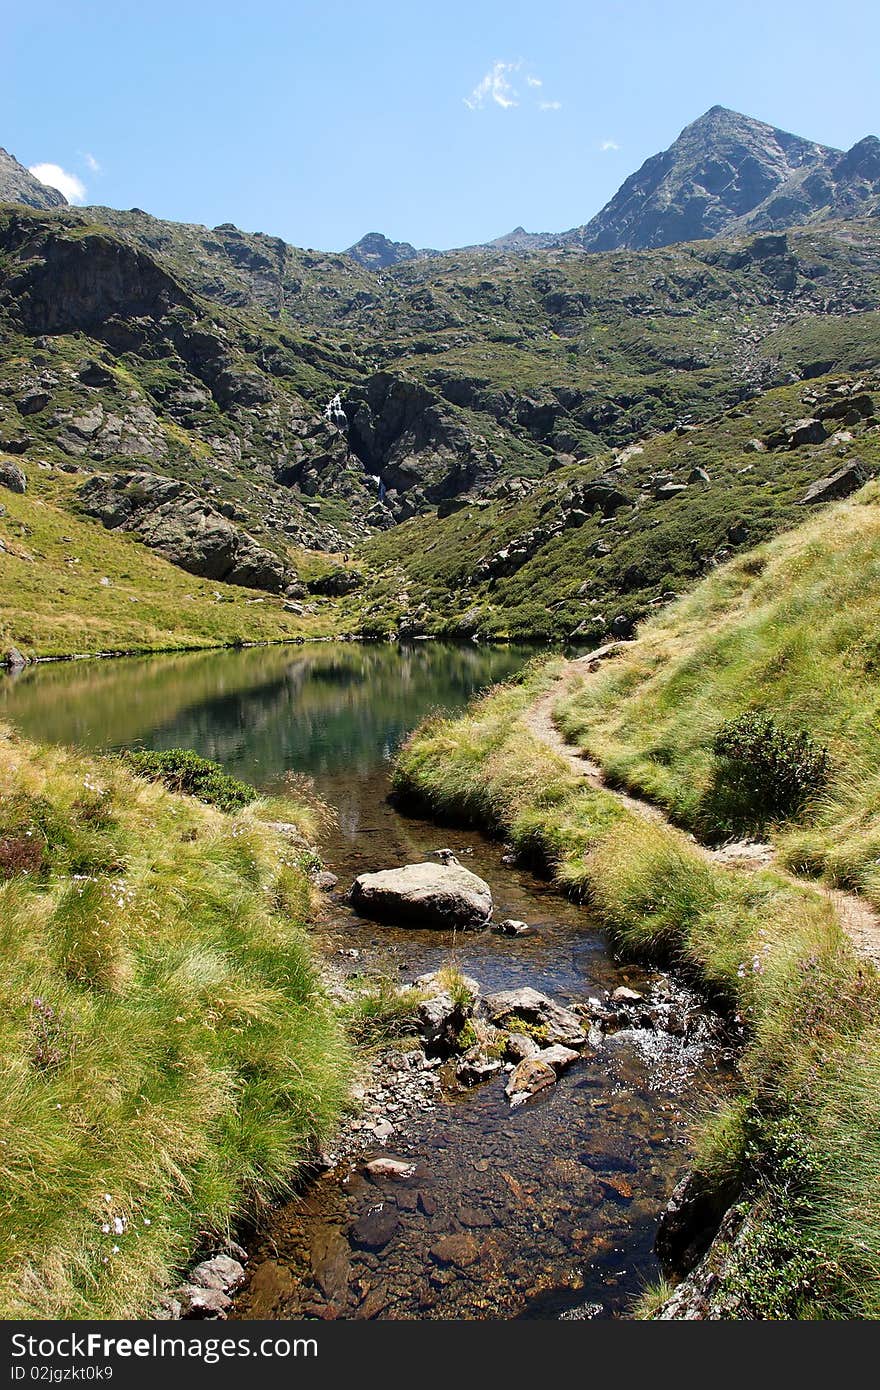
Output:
x,y
495,86
55,177
607,145
92,163
498,86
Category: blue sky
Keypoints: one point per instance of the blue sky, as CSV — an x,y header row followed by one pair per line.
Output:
x,y
440,124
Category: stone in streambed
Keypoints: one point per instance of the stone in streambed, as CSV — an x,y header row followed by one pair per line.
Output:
x,y
528,1078
512,927
220,1272
475,1067
519,1046
424,895
375,1229
330,1258
557,1057
460,1249
559,1025
388,1167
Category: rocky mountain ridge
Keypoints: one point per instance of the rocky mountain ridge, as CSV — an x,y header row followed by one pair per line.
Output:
x,y
262,402
725,173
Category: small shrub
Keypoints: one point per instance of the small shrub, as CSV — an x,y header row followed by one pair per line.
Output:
x,y
184,771
765,772
19,855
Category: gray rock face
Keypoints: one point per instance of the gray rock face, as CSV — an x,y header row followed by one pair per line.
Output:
x,y
840,484
12,477
18,185
689,1222
424,895
173,520
560,1025
376,251
413,441
721,167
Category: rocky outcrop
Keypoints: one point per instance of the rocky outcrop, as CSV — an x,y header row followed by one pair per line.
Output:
x,y
376,252
410,440
89,282
12,477
555,1023
18,185
174,521
689,1222
424,895
838,484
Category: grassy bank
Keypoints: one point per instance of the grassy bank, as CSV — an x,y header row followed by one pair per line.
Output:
x,y
56,564
791,630
169,1056
800,1143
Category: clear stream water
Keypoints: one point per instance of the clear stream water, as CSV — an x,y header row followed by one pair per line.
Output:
x,y
557,1200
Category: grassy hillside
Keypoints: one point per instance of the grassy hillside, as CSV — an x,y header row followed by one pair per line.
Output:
x,y
789,629
53,601
169,1056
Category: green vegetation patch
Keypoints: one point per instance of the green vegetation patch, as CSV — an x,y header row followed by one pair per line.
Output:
x,y
181,770
170,1057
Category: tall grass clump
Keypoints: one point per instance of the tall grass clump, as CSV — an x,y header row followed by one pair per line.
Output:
x,y
170,1057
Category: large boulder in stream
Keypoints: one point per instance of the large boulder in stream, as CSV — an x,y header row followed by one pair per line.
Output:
x,y
424,895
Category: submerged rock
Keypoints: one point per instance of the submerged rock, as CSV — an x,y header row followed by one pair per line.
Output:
x,y
460,1248
375,1229
424,895
511,926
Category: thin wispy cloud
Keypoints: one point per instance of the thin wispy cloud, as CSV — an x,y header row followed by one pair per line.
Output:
x,y
495,86
92,163
607,145
502,86
54,176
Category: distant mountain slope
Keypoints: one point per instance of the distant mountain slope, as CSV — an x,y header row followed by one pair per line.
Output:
x,y
720,168
378,252
18,185
848,186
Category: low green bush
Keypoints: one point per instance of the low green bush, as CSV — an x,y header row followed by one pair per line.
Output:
x,y
764,771
184,771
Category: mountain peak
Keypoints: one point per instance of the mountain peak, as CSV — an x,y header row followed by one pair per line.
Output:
x,y
18,185
720,168
376,251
